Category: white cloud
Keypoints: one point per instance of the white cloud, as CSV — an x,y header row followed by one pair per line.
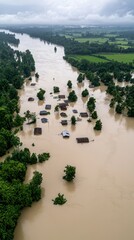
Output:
x,y
66,11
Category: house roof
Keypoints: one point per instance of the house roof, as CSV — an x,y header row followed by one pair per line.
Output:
x,y
82,140
84,114
44,120
62,114
48,106
30,99
43,112
64,122
37,131
61,96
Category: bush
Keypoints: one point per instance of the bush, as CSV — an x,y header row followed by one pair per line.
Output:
x,y
98,125
43,157
60,200
73,120
56,89
40,94
85,93
69,173
69,84
94,115
72,97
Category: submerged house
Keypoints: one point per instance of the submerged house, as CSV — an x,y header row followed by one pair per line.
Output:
x,y
43,112
84,114
44,120
30,99
62,114
64,122
63,106
48,107
37,131
82,140
61,96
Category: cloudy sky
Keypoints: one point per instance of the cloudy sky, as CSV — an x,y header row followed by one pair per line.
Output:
x,y
67,11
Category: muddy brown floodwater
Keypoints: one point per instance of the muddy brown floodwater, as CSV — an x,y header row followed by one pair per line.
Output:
x,y
100,201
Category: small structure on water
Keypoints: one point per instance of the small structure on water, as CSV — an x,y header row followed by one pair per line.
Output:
x,y
75,111
82,140
65,134
64,122
37,131
33,84
43,112
61,96
30,99
84,114
44,120
63,106
62,114
48,107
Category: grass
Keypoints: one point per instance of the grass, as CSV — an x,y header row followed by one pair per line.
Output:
x,y
120,57
89,58
121,42
92,40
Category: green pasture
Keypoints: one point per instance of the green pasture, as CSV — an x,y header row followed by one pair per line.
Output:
x,y
89,58
92,40
120,57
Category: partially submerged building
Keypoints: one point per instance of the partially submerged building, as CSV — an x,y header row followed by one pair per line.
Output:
x,y
82,140
37,131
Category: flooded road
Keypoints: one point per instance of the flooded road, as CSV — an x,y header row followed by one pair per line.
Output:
x,y
100,201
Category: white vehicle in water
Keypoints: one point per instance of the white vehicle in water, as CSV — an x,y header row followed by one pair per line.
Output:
x,y
65,134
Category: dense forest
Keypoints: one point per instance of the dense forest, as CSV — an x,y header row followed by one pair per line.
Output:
x,y
70,44
14,194
107,73
14,68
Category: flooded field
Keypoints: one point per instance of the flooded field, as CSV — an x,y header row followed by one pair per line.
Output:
x,y
100,201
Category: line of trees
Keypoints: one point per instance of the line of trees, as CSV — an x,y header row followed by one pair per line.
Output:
x,y
70,44
14,68
14,194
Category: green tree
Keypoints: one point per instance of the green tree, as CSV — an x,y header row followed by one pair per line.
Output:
x,y
59,200
72,97
69,84
80,78
56,108
43,157
13,170
40,94
37,75
85,93
73,120
69,173
3,146
56,89
98,125
94,115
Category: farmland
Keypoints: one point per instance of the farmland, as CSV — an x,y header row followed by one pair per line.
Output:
x,y
89,58
119,57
